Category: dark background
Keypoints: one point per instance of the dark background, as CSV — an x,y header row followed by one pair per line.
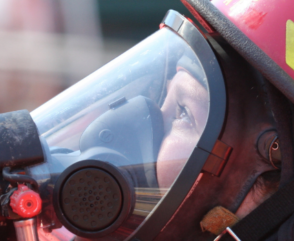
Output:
x,y
135,19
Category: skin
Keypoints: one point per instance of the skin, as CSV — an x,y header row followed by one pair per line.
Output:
x,y
251,201
185,112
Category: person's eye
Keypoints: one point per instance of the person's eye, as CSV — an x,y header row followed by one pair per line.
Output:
x,y
182,113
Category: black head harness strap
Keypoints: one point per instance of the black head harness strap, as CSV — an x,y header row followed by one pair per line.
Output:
x,y
267,217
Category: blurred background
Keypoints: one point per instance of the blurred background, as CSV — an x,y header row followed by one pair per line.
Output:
x,y
46,46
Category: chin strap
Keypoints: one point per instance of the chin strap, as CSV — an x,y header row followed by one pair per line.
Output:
x,y
266,218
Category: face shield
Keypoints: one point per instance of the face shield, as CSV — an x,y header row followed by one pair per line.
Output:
x,y
124,146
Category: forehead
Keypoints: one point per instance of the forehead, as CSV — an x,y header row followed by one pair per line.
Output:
x,y
185,86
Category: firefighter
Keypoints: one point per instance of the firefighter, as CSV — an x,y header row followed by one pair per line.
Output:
x,y
186,136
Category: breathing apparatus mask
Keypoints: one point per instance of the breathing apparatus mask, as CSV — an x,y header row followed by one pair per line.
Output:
x,y
123,147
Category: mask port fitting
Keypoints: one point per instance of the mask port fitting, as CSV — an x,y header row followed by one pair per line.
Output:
x,y
269,148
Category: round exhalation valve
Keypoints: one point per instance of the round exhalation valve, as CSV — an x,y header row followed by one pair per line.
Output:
x,y
93,198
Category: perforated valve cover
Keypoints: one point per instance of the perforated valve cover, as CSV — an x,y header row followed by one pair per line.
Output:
x,y
91,199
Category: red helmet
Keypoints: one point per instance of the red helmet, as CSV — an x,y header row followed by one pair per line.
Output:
x,y
261,31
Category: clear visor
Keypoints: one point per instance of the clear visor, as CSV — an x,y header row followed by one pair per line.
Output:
x,y
144,112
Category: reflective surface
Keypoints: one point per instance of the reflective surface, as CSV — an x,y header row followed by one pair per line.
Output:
x,y
26,230
144,113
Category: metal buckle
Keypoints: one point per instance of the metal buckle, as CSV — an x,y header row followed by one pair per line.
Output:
x,y
230,231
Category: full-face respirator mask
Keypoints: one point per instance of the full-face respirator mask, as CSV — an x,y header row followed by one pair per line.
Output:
x,y
114,150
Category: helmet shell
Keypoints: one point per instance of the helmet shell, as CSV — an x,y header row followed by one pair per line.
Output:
x,y
269,24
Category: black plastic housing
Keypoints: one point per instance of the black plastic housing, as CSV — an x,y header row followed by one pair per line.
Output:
x,y
19,143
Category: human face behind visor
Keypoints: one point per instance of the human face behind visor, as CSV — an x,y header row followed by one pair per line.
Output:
x,y
141,116
185,112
